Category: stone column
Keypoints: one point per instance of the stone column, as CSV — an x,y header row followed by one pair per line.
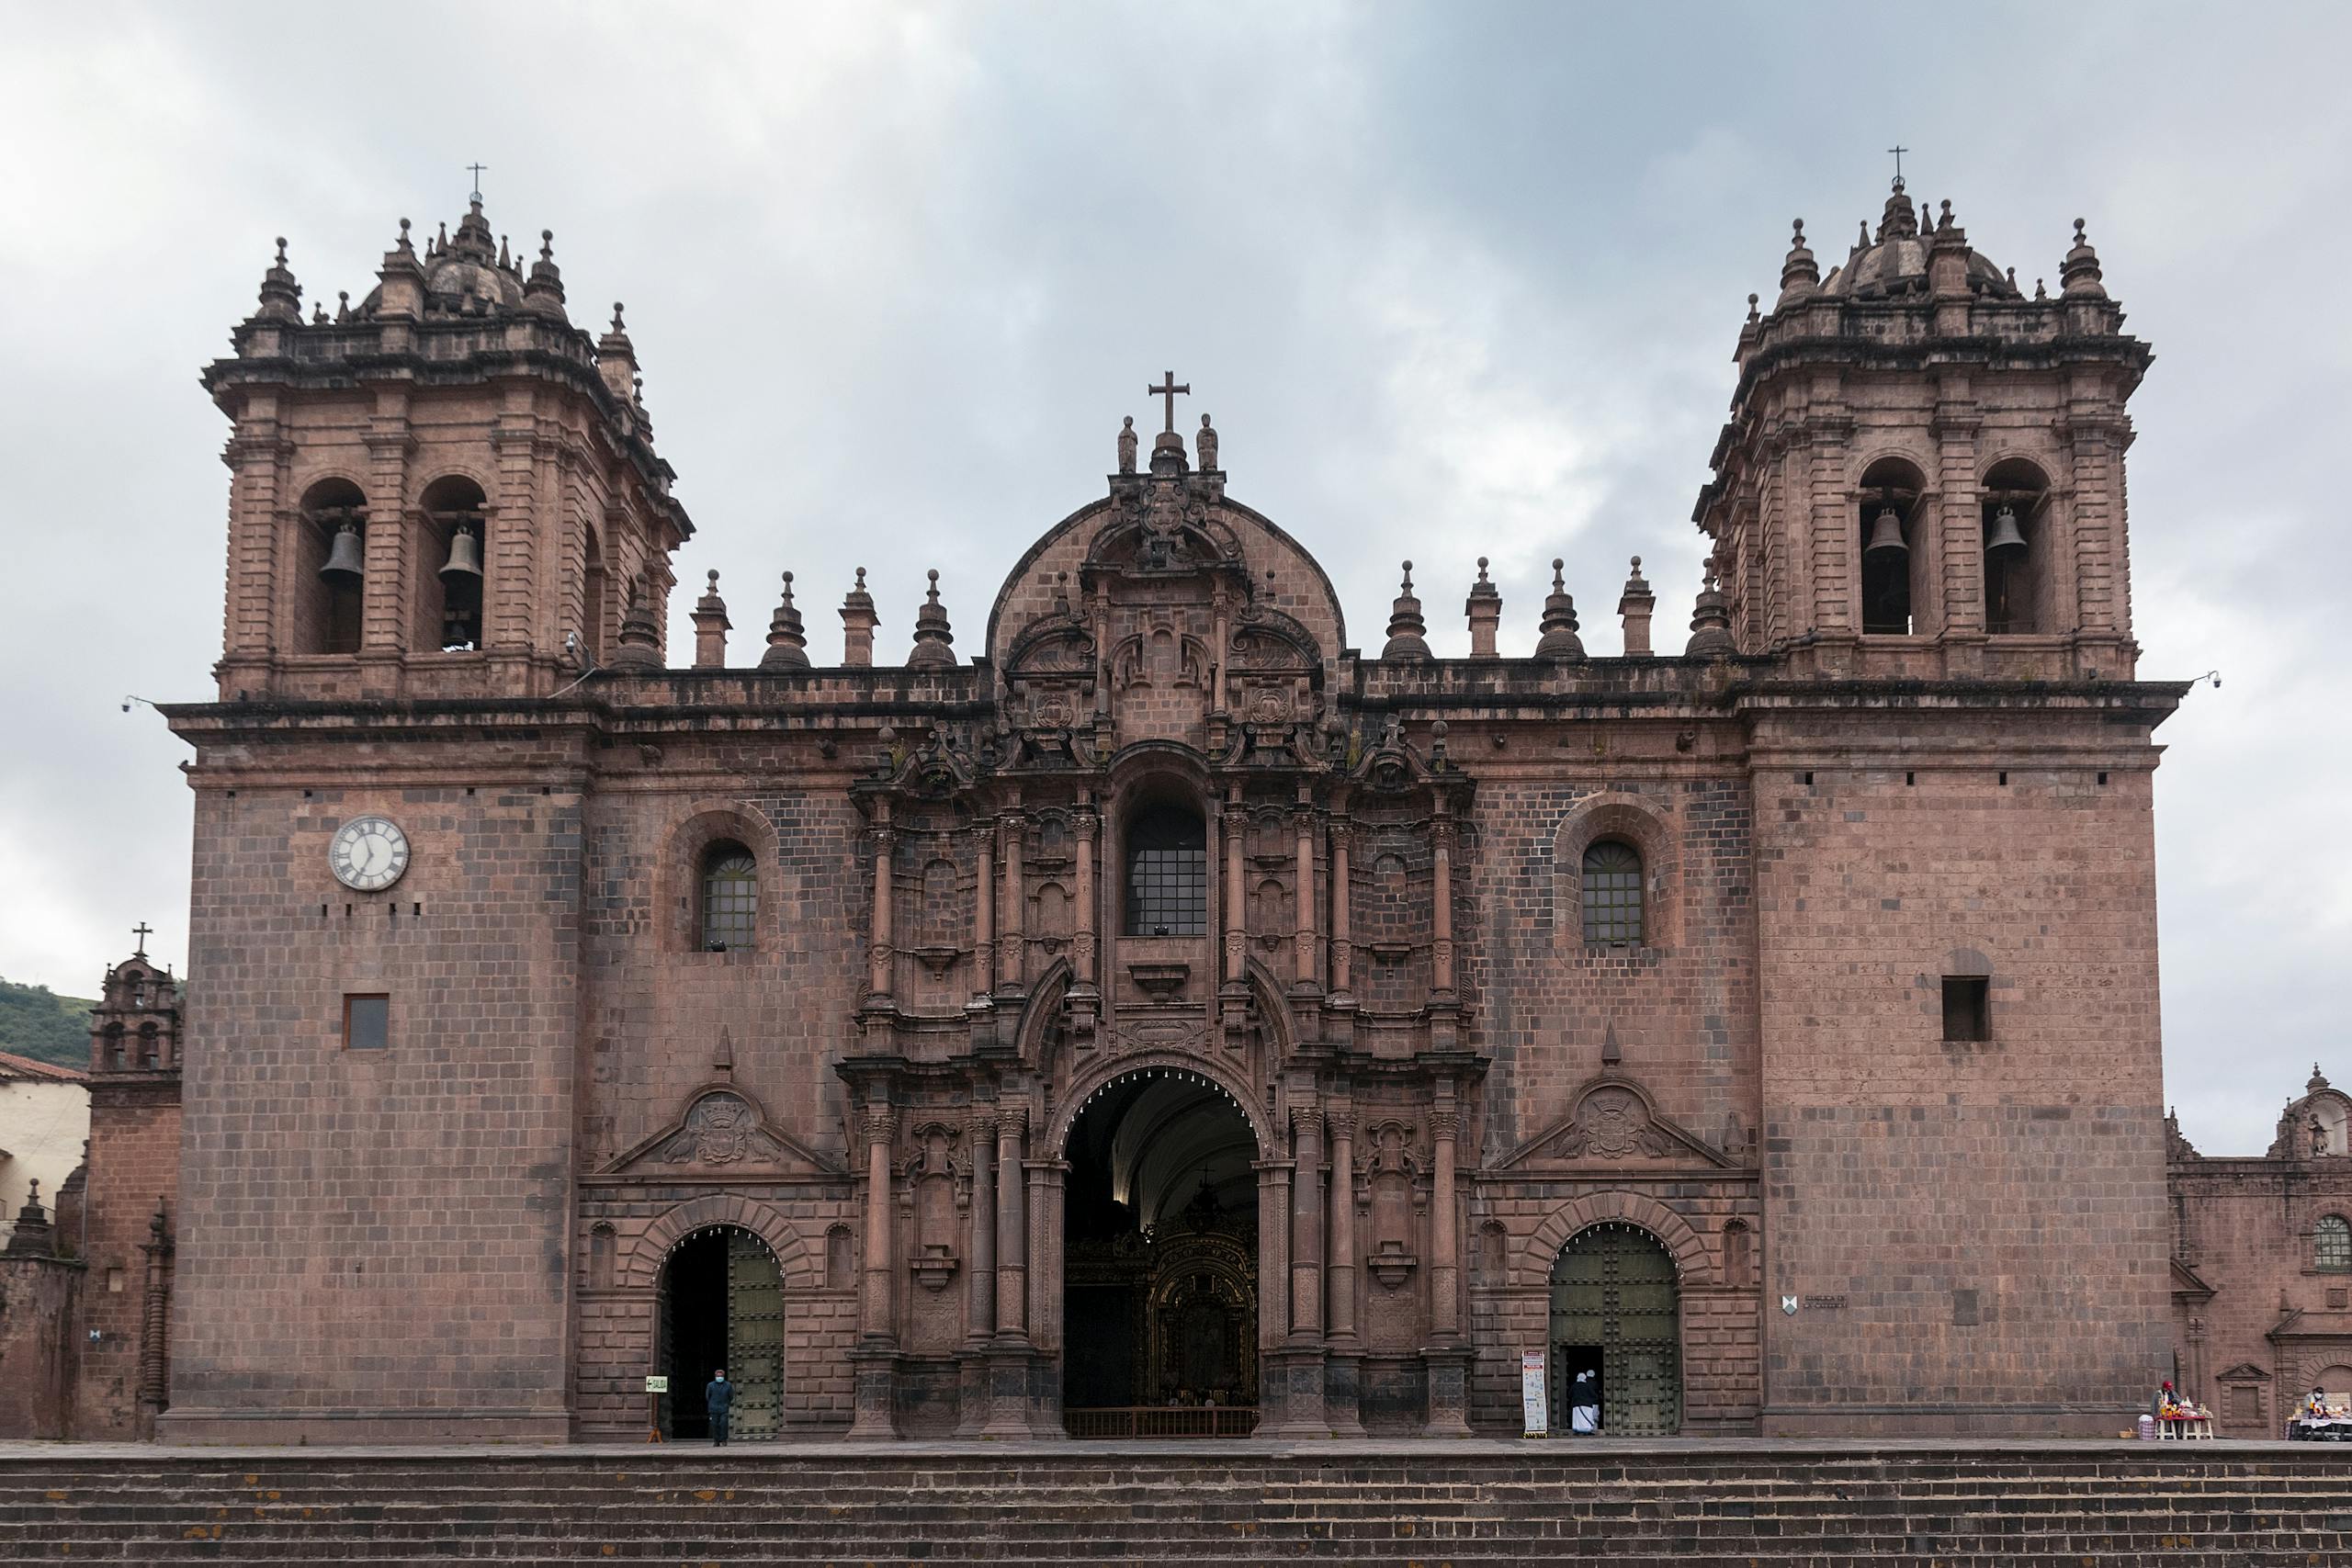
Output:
x,y
1012,1238
1089,827
984,908
1303,944
1012,952
873,1363
1447,1360
1343,1368
1236,919
1306,1225
155,1324
980,1274
880,1124
877,977
1041,1384
1342,947
1441,913
1273,1287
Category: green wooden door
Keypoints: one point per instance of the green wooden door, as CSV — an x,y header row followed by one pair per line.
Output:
x,y
754,1337
1614,1290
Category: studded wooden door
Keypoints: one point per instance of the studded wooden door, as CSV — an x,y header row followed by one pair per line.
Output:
x,y
754,1338
1614,1290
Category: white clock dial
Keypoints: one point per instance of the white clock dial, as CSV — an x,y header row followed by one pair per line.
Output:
x,y
369,853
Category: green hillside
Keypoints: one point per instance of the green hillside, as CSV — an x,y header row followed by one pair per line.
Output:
x,y
36,1022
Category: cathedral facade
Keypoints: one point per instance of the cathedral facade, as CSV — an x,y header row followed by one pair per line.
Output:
x,y
1158,1014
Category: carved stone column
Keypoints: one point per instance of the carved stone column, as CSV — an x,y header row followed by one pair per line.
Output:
x,y
1041,1384
873,1362
1012,952
1012,1231
1343,1368
1342,947
878,976
1447,1359
984,908
1306,1225
1085,992
979,1273
1304,943
1441,912
1237,920
154,1322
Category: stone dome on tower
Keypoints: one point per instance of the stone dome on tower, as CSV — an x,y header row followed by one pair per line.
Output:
x,y
1893,263
466,272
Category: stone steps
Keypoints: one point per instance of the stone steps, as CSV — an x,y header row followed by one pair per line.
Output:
x,y
2009,1505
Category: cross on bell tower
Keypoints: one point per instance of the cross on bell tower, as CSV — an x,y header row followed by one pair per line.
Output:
x,y
143,930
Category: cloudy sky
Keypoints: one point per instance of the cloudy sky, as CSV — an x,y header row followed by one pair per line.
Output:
x,y
1455,280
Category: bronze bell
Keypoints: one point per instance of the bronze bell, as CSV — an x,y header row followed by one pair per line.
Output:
x,y
2005,535
1886,533
343,562
465,555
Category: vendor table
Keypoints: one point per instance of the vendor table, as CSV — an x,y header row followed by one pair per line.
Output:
x,y
2184,1428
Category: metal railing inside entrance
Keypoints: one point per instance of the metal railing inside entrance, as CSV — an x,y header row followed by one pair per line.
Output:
x,y
1162,1421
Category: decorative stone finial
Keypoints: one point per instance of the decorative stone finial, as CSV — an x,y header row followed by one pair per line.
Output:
x,y
1559,641
2078,276
1485,610
711,626
1634,605
543,291
858,621
640,651
1900,220
1204,445
2318,1080
1709,622
1800,273
1406,627
933,647
403,246
787,640
281,297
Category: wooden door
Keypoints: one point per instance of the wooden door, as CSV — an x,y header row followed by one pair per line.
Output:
x,y
1614,1289
754,1337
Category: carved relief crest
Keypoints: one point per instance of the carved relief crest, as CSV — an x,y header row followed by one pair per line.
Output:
x,y
1612,1124
723,1128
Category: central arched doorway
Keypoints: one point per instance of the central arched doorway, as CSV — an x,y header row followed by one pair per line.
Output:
x,y
722,1305
1160,1271
1616,1333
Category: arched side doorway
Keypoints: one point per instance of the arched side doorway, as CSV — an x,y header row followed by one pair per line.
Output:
x,y
1159,1255
722,1305
1616,1339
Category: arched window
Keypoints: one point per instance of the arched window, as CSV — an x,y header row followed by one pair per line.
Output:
x,y
330,568
1168,872
150,1053
1887,532
449,566
2331,1245
1613,893
2016,553
730,898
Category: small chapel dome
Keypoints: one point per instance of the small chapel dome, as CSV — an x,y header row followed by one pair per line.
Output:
x,y
464,273
1893,264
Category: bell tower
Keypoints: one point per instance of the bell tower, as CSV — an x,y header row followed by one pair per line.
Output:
x,y
446,490
1923,471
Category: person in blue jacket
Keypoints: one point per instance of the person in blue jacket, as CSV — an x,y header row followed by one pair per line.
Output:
x,y
719,1398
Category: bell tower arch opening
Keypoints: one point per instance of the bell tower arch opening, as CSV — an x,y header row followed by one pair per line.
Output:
x,y
1160,1260
1616,1337
448,587
722,1306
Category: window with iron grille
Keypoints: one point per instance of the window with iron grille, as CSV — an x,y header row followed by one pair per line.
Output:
x,y
1613,893
730,898
2331,1245
1168,874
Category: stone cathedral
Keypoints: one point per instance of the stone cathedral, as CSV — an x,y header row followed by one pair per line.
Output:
x,y
1159,1013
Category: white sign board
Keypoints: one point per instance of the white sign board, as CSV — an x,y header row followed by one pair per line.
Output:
x,y
1530,1394
657,1385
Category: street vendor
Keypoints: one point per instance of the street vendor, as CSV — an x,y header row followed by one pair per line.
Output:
x,y
2316,1403
2164,1401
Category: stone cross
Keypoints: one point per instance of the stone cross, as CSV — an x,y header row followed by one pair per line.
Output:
x,y
1168,389
1898,150
143,930
475,170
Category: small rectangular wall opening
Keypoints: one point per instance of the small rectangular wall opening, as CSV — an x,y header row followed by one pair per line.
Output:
x,y
1967,1007
366,1022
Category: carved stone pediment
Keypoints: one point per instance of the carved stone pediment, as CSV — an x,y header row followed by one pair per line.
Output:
x,y
1612,1120
722,1129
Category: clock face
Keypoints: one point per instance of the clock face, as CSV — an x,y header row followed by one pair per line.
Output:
x,y
369,853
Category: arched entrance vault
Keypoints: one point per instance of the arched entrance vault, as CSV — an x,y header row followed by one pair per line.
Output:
x,y
1616,1333
720,1304
1160,1253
